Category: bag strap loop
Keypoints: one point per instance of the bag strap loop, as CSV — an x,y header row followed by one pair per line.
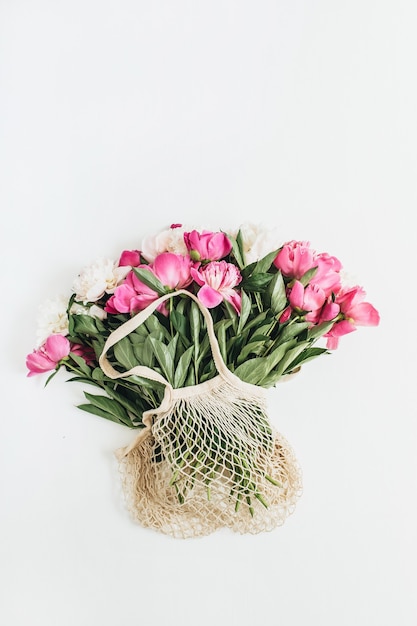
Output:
x,y
146,372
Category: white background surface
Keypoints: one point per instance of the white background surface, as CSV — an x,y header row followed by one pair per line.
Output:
x,y
119,118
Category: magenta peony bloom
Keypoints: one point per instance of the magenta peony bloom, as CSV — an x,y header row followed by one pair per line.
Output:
x,y
131,296
48,356
84,352
217,280
172,270
130,257
310,298
207,246
354,312
295,258
327,276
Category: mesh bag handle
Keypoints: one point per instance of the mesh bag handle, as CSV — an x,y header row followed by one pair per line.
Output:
x,y
146,372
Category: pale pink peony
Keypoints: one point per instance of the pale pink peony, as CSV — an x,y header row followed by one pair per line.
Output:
x,y
258,240
170,240
96,279
52,319
49,355
217,280
207,246
353,312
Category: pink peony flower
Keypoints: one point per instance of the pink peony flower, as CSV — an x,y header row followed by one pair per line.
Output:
x,y
84,352
172,270
48,356
310,298
285,315
354,312
328,273
217,280
207,246
295,258
130,257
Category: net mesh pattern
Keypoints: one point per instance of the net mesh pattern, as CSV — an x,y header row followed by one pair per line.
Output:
x,y
212,460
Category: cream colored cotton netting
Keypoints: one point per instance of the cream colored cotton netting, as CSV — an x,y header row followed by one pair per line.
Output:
x,y
208,457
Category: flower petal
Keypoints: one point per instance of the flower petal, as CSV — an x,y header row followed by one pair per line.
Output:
x,y
209,296
57,347
296,296
37,363
365,314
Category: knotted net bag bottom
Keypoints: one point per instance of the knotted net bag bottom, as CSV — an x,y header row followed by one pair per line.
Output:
x,y
212,460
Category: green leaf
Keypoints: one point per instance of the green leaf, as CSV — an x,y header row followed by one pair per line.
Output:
x,y
84,325
320,330
290,356
150,280
253,370
265,263
97,374
179,323
292,330
146,355
233,316
50,377
172,346
258,320
237,249
248,270
124,353
109,406
308,355
82,379
90,408
163,357
153,325
81,363
277,294
305,278
182,367
190,380
125,402
257,282
221,338
279,353
245,310
195,325
254,347
260,337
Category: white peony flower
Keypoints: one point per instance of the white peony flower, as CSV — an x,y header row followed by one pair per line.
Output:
x,y
99,278
171,240
52,318
258,241
92,311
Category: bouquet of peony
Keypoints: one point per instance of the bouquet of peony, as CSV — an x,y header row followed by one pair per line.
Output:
x,y
182,338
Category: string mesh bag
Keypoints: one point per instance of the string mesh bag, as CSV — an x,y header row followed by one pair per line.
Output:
x,y
208,456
